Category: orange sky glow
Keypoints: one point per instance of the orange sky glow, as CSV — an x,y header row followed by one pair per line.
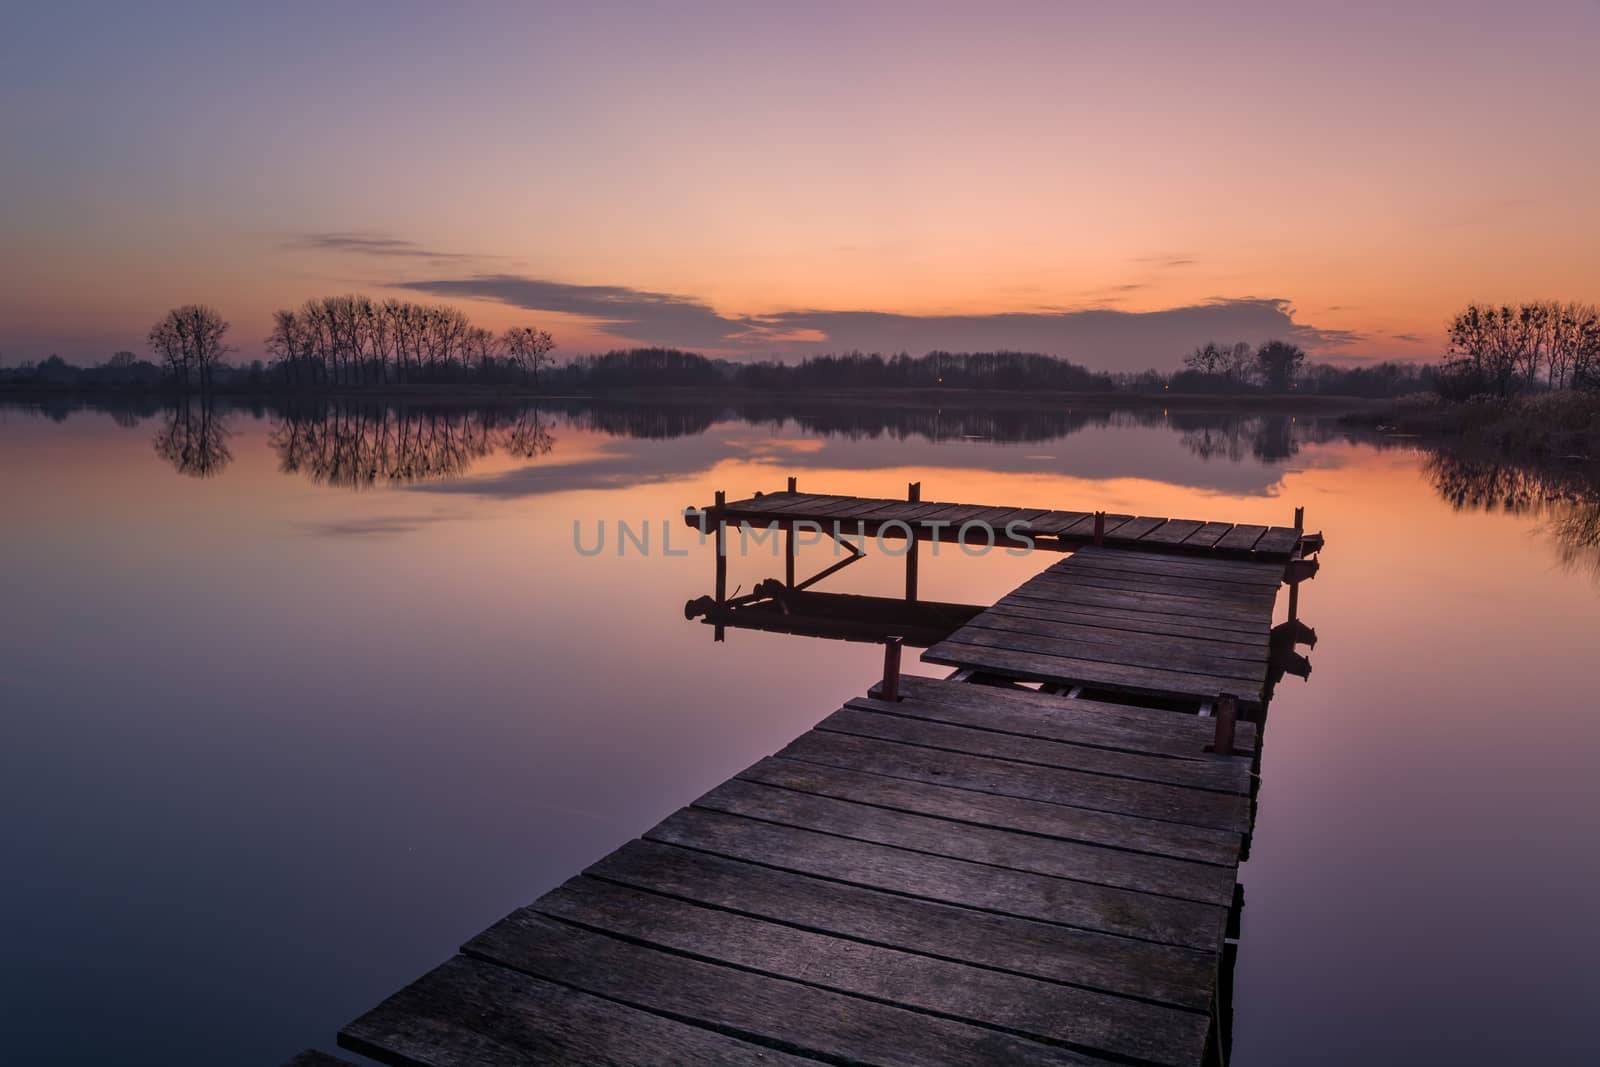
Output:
x,y
732,179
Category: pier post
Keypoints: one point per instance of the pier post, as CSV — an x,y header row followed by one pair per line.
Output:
x,y
793,482
718,632
1099,527
891,669
1299,519
1227,714
914,495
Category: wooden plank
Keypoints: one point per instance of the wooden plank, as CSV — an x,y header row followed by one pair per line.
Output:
x,y
1029,604
1025,639
1032,666
1278,541
1118,577
1159,973
1208,535
1184,607
472,1012
928,725
1146,800
1091,626
1112,646
1033,1008
1055,522
1079,721
1084,528
1245,572
1134,529
1173,532
975,885
1232,595
754,1007
856,508
807,504
936,836
1241,538
1217,848
755,503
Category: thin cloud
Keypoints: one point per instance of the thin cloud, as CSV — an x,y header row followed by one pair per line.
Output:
x,y
373,244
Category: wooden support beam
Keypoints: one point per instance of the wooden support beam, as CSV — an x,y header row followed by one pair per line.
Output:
x,y
719,633
913,495
793,483
1227,718
890,689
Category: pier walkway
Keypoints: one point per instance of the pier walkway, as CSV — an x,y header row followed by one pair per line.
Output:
x,y
1180,628
942,871
967,875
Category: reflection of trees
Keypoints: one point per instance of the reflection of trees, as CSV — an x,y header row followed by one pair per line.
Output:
x,y
1566,500
357,445
194,439
1269,438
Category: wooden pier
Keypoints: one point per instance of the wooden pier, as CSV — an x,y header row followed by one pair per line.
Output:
x,y
955,871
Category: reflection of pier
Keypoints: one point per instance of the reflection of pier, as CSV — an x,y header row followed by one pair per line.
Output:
x,y
941,871
778,608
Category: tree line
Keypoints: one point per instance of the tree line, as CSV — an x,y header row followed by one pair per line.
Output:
x,y
353,340
1502,350
350,340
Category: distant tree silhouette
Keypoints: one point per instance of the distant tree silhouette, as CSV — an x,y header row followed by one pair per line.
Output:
x,y
1278,362
528,349
189,340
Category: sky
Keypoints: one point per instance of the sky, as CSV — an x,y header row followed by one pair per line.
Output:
x,y
1110,183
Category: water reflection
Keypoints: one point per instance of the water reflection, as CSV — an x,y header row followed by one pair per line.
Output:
x,y
193,438
1564,499
355,446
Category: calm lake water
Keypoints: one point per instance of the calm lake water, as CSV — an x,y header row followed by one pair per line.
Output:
x,y
292,706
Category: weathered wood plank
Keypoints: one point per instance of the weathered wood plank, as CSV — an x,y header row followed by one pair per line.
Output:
x,y
1029,896
1063,661
1134,529
470,1013
936,836
1206,590
1173,532
1249,572
1147,800
1184,607
1076,721
1056,522
1278,540
1034,1008
1088,626
865,717
1241,538
1114,646
747,1005
1208,535
1120,576
1218,848
1160,973
1031,604
1065,670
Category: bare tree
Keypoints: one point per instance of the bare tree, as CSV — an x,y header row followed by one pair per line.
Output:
x,y
528,349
